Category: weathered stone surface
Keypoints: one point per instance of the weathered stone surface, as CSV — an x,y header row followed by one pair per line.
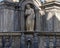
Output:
x,y
9,17
49,0
47,25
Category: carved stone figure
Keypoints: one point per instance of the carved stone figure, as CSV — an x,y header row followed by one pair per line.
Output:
x,y
30,17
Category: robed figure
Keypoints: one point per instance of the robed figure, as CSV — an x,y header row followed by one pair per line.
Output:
x,y
29,13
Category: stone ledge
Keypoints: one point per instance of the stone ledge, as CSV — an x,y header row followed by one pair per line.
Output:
x,y
10,33
31,33
44,33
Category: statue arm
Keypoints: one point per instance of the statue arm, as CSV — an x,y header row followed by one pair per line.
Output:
x,y
32,13
27,13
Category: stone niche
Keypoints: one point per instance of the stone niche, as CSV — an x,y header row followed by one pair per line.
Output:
x,y
36,8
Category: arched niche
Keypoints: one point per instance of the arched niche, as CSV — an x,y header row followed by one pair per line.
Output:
x,y
22,9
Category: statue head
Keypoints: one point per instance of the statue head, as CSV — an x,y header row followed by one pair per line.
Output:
x,y
28,6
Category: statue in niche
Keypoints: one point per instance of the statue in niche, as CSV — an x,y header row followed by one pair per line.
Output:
x,y
30,18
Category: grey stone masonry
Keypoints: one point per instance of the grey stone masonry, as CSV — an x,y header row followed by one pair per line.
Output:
x,y
7,13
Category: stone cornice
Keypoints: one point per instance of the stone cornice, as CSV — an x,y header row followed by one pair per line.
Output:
x,y
51,5
9,5
30,33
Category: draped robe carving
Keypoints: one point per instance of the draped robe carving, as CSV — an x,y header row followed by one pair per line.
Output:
x,y
30,18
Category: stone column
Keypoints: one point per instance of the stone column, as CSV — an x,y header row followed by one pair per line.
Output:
x,y
22,20
47,42
38,28
35,41
50,22
17,20
54,41
3,42
22,41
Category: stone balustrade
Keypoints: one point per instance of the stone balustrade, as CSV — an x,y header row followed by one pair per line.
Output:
x,y
19,39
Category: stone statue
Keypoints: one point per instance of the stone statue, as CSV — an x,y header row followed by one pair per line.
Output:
x,y
30,17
